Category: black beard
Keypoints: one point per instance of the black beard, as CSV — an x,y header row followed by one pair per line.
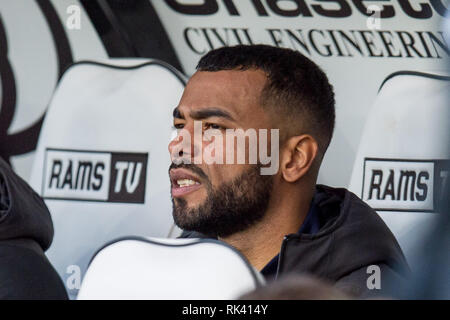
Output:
x,y
234,207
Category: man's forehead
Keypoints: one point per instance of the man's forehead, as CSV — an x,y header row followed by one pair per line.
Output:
x,y
236,91
245,77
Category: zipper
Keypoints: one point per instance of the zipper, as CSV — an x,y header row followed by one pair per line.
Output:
x,y
282,250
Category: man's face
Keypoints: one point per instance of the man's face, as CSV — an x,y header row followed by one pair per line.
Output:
x,y
218,199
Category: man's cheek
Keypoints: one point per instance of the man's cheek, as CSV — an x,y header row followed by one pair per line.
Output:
x,y
213,148
225,173
196,198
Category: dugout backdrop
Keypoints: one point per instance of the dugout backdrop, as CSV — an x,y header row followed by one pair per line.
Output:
x,y
358,44
40,38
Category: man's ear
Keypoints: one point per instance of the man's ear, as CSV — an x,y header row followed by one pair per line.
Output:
x,y
298,156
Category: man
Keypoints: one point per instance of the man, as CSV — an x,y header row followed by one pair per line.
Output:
x,y
282,223
26,231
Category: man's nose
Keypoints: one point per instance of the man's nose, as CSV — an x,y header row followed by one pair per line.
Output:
x,y
184,147
175,148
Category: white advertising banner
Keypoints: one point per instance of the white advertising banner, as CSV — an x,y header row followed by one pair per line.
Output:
x,y
38,41
401,167
357,43
98,155
101,162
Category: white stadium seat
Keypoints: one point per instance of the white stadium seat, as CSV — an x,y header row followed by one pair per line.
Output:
x,y
402,163
139,268
102,162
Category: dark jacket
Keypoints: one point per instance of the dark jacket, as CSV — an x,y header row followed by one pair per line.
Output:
x,y
26,231
351,237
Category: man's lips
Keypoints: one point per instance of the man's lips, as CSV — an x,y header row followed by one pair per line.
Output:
x,y
183,182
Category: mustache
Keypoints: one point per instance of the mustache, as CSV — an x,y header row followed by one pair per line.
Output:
x,y
199,172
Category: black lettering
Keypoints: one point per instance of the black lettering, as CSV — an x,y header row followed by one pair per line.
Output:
x,y
57,164
353,42
422,186
441,44
83,167
208,7
389,188
388,44
189,43
425,46
328,53
205,33
98,176
277,41
299,41
236,35
262,12
411,186
387,11
375,185
408,44
344,9
301,8
336,45
68,177
231,7
247,35
224,41
369,43
424,12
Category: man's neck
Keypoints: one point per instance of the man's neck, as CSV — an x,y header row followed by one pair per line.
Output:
x,y
262,242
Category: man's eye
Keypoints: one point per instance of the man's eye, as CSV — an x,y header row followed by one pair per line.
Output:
x,y
213,126
178,126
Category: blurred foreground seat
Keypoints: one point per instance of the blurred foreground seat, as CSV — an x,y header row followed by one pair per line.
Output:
x,y
139,268
401,167
102,162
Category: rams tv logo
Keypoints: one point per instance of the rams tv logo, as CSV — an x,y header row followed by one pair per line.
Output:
x,y
94,176
405,185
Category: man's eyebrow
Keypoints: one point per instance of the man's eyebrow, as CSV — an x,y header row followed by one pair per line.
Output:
x,y
177,114
208,113
203,114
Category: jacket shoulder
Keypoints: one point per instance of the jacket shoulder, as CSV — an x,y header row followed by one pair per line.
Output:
x,y
28,275
373,281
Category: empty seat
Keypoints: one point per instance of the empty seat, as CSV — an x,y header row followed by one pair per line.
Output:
x,y
139,268
401,167
101,162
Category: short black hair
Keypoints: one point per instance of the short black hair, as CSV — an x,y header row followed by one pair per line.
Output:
x,y
297,89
